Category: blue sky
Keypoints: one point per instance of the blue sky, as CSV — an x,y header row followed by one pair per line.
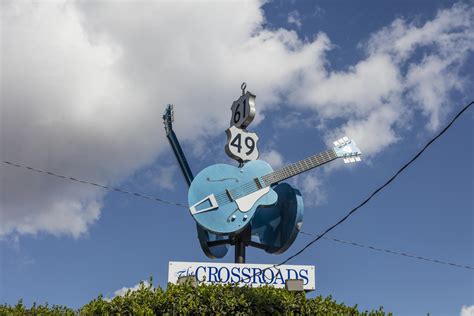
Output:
x,y
83,89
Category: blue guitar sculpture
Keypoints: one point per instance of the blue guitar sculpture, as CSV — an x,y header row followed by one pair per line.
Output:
x,y
223,198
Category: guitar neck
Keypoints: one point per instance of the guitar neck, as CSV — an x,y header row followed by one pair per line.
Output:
x,y
299,167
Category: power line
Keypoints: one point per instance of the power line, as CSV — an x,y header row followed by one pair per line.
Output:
x,y
318,237
342,220
182,205
57,175
389,251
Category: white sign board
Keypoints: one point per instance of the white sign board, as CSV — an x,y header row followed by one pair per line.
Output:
x,y
243,273
241,145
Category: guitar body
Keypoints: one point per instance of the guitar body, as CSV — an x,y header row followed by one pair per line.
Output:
x,y
218,211
223,199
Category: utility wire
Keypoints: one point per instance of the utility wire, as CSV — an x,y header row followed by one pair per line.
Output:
x,y
94,184
352,243
342,220
318,237
182,205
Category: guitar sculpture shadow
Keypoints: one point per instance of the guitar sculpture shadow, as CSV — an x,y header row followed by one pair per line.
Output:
x,y
277,227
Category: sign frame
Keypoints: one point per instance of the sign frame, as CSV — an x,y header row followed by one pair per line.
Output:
x,y
249,273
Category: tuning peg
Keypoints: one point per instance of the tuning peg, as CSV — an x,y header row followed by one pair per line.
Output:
x,y
346,160
346,140
336,143
357,158
352,159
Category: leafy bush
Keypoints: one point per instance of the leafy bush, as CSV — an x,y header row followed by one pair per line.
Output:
x,y
20,309
200,300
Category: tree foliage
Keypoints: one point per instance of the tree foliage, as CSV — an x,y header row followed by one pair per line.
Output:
x,y
201,300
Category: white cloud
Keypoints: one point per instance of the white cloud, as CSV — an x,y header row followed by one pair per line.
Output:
x,y
450,30
273,157
448,40
84,84
83,87
355,92
430,82
376,96
136,287
164,177
294,18
312,189
467,310
124,290
372,133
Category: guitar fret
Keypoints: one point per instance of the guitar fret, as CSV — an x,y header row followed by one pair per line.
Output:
x,y
299,167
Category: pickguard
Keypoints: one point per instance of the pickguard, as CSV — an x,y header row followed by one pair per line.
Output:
x,y
247,202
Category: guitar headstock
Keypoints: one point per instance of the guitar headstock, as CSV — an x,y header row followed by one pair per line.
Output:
x,y
347,149
168,118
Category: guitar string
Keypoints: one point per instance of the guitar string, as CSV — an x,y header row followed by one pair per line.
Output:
x,y
281,174
299,167
243,190
286,172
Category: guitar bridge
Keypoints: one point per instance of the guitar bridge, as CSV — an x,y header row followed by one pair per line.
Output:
x,y
257,182
229,195
209,203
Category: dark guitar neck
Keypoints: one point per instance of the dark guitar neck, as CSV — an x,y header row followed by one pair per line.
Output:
x,y
299,167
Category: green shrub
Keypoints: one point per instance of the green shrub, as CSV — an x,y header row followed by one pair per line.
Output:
x,y
20,309
200,300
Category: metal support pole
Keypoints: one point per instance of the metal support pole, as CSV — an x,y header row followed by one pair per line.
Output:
x,y
241,241
239,250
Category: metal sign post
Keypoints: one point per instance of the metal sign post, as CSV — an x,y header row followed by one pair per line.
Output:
x,y
240,243
242,147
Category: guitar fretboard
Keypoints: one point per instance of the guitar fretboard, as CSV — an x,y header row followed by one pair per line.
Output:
x,y
299,167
